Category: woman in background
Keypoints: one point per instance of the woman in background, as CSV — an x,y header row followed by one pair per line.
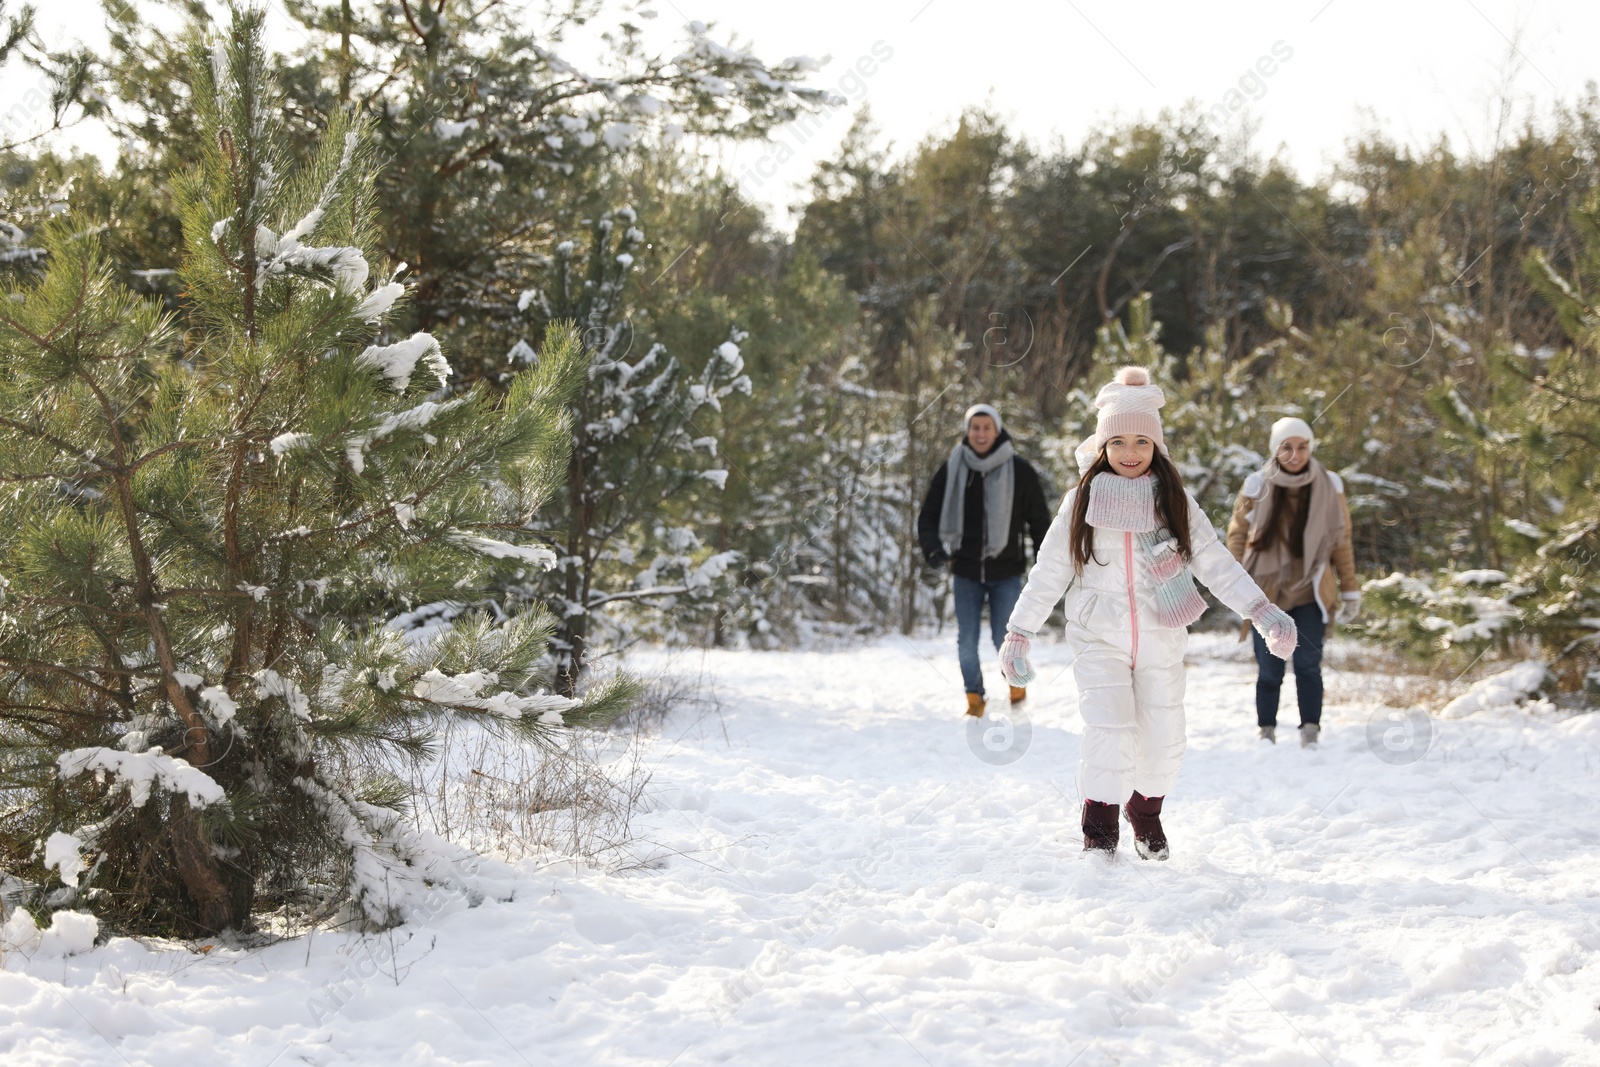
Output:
x,y
1291,530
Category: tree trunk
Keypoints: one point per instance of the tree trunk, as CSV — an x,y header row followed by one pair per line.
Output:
x,y
840,557
197,865
575,627
913,393
344,53
718,638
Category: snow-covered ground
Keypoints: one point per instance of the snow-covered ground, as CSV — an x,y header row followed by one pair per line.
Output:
x,y
846,875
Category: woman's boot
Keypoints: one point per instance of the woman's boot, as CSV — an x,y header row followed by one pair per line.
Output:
x,y
1099,827
1144,815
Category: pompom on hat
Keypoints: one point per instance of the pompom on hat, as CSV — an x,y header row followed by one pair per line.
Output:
x,y
1129,406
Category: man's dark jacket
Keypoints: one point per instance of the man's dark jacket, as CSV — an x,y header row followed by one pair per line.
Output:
x,y
1028,508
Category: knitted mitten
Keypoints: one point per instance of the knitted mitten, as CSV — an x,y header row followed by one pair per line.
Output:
x,y
1349,607
1275,627
1014,656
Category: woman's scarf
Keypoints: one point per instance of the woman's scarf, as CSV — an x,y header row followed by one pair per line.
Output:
x,y
999,488
1129,505
1324,526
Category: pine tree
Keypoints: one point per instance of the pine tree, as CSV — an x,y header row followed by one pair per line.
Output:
x,y
499,142
636,443
205,533
1560,417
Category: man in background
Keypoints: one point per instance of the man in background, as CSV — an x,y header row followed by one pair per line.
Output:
x,y
972,521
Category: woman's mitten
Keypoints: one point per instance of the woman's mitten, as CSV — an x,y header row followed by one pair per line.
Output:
x,y
1275,627
1349,607
1014,657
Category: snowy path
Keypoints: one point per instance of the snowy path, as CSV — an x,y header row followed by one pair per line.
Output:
x,y
845,882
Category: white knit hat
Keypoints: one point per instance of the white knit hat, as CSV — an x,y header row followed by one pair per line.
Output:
x,y
1128,406
1288,427
982,409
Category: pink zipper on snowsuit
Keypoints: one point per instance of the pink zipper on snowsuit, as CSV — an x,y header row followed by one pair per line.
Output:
x,y
1133,605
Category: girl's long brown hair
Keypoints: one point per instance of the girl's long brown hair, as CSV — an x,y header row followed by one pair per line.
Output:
x,y
1171,501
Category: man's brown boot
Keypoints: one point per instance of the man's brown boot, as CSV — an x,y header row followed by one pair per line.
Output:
x,y
1018,694
975,705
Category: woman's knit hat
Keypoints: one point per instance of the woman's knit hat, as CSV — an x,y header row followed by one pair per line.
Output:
x,y
1128,406
1288,427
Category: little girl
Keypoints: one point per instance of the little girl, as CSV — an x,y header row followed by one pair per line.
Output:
x,y
1127,539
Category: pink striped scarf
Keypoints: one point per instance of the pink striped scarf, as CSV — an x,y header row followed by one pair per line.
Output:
x,y
1129,505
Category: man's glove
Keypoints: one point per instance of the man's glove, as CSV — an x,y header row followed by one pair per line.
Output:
x,y
937,560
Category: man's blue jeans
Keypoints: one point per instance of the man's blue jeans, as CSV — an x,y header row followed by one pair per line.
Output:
x,y
1307,659
1002,595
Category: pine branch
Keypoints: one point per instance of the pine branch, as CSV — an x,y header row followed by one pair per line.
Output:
x,y
637,594
61,444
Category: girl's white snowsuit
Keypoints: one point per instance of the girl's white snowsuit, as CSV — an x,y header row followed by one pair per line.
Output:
x,y
1129,669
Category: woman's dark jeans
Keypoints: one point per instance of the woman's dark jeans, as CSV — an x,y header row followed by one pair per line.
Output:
x,y
1307,660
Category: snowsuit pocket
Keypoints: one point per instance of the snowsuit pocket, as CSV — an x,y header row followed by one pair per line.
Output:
x,y
1082,611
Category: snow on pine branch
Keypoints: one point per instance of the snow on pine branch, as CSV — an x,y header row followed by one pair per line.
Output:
x,y
415,418
697,581
345,267
703,50
296,740
463,691
538,555
142,772
345,264
379,301
64,852
222,707
723,374
288,442
274,684
313,218
393,864
397,361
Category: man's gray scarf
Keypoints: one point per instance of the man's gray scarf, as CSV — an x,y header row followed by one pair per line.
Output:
x,y
999,485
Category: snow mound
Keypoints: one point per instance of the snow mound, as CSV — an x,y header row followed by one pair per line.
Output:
x,y
1498,690
69,933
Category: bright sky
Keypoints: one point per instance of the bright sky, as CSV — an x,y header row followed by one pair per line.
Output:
x,y
1414,69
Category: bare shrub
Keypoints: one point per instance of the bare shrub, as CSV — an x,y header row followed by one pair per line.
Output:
x,y
1371,673
570,795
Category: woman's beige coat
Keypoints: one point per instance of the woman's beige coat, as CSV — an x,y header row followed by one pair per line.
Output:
x,y
1340,577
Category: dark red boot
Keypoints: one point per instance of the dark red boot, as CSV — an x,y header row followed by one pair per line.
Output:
x,y
1144,815
1099,827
